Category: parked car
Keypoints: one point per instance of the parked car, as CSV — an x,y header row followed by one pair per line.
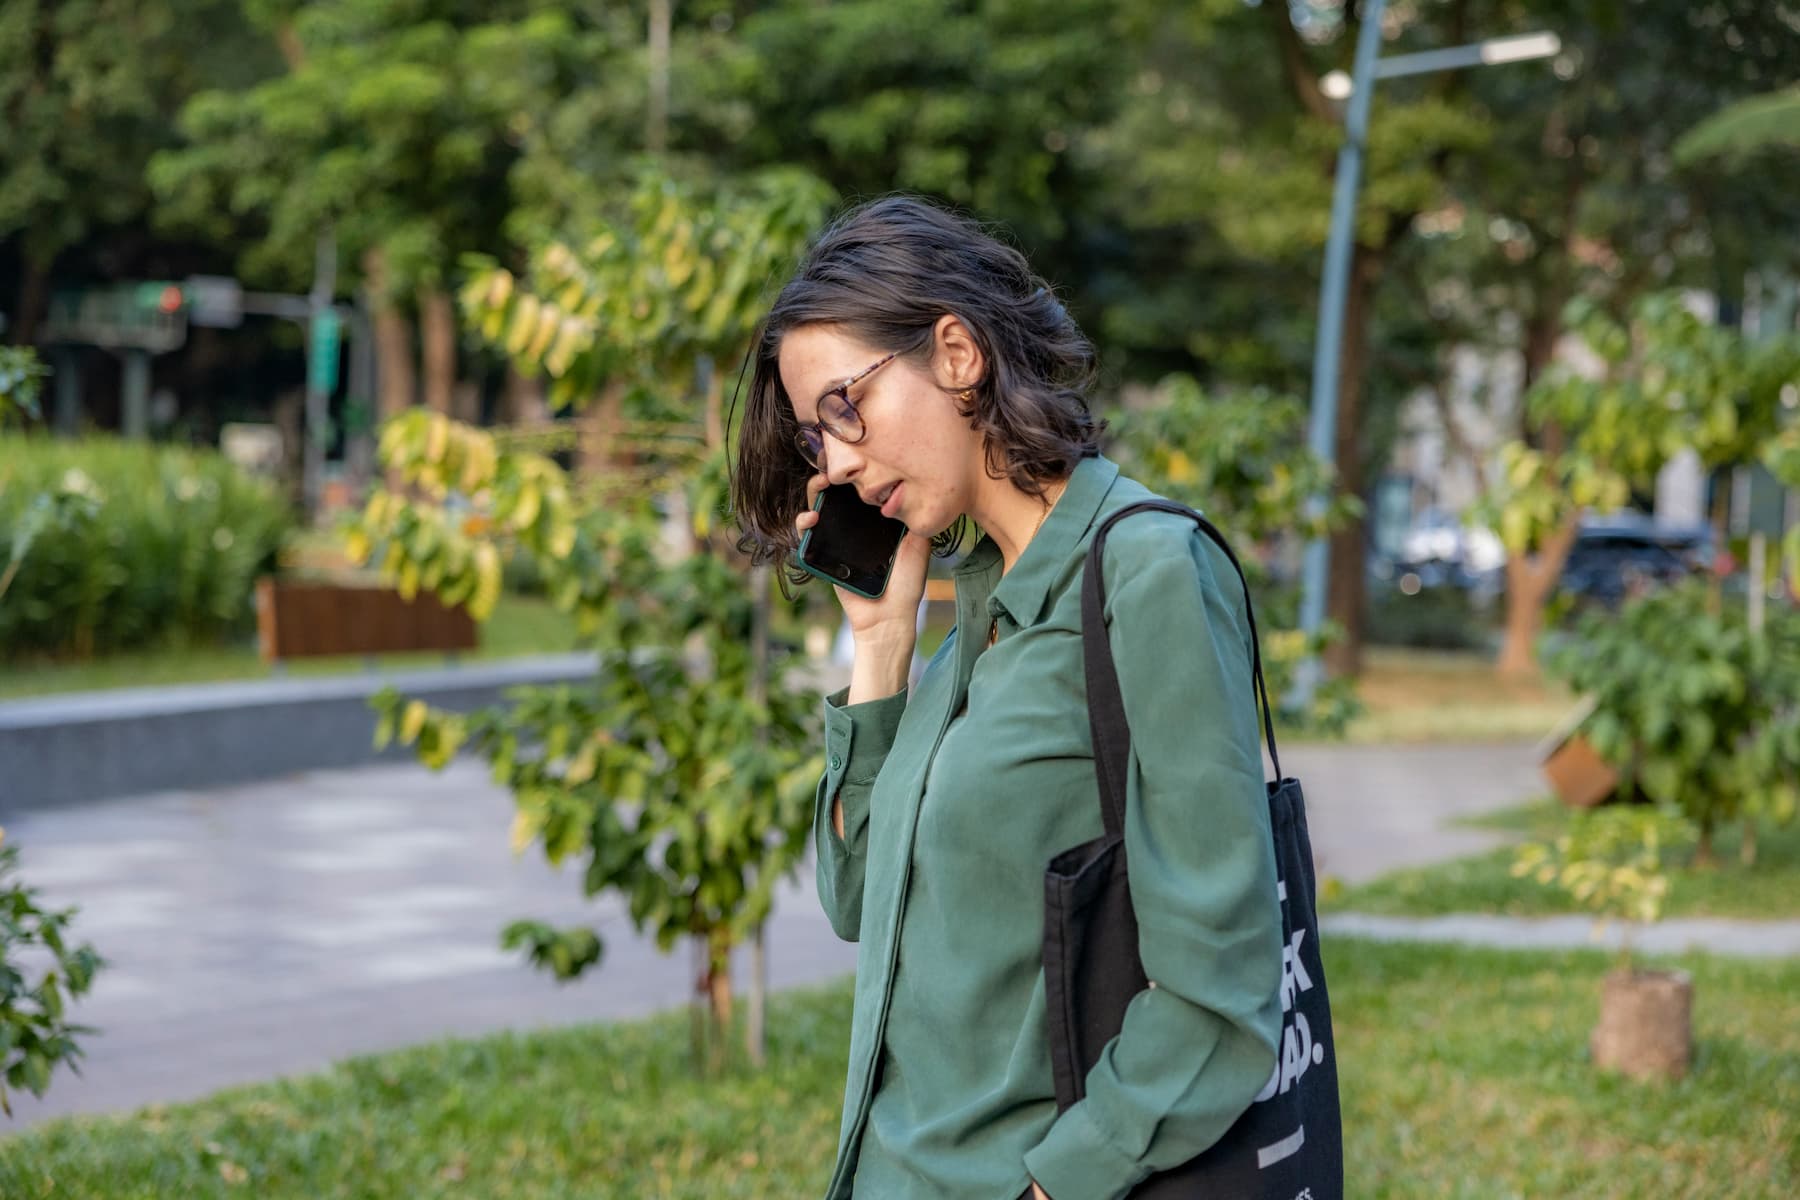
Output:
x,y
1438,550
1623,555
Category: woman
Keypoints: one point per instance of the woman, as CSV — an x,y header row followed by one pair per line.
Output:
x,y
920,360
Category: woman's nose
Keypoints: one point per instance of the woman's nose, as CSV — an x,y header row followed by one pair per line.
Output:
x,y
843,461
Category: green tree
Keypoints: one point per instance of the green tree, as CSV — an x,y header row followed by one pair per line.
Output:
x,y
1744,129
1667,381
1223,161
684,775
1241,458
1577,194
982,103
88,92
394,127
1492,196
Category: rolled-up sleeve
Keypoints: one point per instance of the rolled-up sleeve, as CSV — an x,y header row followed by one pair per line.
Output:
x,y
857,740
1197,1046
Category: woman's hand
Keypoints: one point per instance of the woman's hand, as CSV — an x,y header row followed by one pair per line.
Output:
x,y
884,629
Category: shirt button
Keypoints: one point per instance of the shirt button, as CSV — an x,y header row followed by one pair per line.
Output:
x,y
836,762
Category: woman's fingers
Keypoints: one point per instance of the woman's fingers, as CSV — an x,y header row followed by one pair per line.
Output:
x,y
808,518
910,563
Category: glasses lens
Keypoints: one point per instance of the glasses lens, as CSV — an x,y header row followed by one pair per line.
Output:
x,y
810,444
840,418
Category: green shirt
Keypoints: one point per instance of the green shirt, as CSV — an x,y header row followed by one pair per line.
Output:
x,y
951,813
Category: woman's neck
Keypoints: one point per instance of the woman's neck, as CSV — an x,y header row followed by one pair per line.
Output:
x,y
1012,517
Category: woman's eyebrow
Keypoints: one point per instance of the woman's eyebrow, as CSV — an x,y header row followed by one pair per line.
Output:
x,y
842,381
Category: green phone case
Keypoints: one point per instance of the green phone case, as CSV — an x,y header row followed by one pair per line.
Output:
x,y
800,561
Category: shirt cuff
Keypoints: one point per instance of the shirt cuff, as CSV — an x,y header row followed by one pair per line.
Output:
x,y
1077,1161
857,740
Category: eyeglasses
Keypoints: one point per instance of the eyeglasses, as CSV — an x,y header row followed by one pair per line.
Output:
x,y
837,416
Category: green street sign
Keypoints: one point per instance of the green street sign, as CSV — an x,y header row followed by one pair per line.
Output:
x,y
322,358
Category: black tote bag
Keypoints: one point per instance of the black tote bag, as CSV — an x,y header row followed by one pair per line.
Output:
x,y
1289,1144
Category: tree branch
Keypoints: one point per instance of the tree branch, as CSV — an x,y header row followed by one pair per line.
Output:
x,y
1300,77
1454,433
1448,84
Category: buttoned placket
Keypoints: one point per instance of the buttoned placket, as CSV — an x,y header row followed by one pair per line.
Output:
x,y
974,595
983,591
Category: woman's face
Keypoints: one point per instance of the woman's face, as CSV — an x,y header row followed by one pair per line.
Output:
x,y
917,450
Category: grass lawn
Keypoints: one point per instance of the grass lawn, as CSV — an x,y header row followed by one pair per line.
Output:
x,y
1484,883
520,625
1415,695
1450,696
1463,1073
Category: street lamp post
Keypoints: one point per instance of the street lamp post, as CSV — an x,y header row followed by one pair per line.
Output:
x,y
1334,286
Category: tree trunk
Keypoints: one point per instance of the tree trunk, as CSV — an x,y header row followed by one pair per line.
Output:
x,y
1646,1027
1346,589
395,377
599,447
759,695
522,401
437,338
1721,529
697,1020
715,409
656,126
1704,854
465,403
30,302
759,994
1529,581
718,988
1542,330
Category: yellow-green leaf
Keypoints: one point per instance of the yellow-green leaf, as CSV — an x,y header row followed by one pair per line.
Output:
x,y
412,720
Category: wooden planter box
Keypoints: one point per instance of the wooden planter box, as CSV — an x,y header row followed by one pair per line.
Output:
x,y
1582,778
305,619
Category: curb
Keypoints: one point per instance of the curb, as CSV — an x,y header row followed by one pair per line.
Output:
x,y
85,746
1683,935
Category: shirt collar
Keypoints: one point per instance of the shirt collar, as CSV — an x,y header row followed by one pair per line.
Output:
x,y
1021,592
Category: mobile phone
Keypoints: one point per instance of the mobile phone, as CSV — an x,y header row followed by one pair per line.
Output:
x,y
853,545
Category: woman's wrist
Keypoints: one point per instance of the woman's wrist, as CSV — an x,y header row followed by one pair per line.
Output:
x,y
881,667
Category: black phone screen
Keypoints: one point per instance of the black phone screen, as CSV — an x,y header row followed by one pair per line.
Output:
x,y
853,544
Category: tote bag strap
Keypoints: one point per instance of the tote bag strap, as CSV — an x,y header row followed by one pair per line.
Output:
x,y
1106,706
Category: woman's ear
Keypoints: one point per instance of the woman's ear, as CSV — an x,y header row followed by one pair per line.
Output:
x,y
956,359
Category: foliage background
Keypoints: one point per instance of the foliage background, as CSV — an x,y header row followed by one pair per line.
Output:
x,y
121,544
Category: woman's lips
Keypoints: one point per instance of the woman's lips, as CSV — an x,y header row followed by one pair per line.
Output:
x,y
891,505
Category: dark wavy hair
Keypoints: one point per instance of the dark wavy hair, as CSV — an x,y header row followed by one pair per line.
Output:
x,y
886,271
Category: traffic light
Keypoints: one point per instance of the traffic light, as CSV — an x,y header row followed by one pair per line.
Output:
x,y
323,353
160,297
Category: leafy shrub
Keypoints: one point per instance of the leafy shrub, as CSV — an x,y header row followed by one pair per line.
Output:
x,y
35,1034
1692,706
1612,860
114,545
1241,458
1434,618
21,379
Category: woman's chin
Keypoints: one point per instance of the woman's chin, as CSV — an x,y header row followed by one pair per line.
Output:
x,y
928,524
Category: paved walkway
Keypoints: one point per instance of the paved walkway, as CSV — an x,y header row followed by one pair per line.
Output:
x,y
1746,939
268,929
